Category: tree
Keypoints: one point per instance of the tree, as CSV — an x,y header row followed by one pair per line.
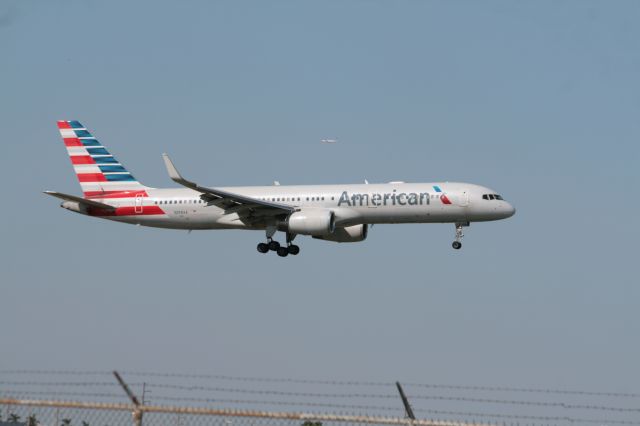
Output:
x,y
13,418
32,421
66,422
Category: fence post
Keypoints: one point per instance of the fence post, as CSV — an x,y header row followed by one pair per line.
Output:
x,y
137,417
137,412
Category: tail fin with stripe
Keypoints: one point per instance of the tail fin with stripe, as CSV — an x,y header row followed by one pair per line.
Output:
x,y
99,173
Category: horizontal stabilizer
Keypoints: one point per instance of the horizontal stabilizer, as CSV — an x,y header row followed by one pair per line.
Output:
x,y
89,203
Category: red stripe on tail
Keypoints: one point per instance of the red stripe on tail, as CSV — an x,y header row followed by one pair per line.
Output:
x,y
114,194
127,211
91,177
72,142
82,159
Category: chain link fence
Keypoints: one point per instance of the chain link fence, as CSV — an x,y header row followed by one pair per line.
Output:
x,y
58,413
106,398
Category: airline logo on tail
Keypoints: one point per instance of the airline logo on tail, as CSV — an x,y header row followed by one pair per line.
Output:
x,y
99,173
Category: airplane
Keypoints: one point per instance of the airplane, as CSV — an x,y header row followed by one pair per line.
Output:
x,y
337,213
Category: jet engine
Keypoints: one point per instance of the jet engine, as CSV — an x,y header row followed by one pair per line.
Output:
x,y
312,222
350,234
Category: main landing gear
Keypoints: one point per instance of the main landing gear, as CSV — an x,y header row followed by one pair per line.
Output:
x,y
283,251
457,244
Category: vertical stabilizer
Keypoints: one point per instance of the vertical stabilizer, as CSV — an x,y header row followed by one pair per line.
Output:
x,y
99,173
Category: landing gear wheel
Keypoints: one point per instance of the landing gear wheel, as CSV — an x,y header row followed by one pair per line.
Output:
x,y
263,247
457,244
293,249
274,245
283,251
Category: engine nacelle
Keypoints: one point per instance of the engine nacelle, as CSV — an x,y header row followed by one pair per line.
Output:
x,y
350,234
312,222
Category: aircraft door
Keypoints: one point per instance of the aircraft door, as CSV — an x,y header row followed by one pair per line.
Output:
x,y
138,207
462,199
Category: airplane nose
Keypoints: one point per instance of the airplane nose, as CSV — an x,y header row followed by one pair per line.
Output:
x,y
510,210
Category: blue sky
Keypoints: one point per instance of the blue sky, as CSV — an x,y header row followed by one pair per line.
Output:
x,y
538,100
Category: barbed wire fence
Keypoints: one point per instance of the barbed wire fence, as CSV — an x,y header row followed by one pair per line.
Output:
x,y
46,397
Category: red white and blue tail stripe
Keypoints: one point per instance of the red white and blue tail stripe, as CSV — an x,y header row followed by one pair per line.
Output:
x,y
99,173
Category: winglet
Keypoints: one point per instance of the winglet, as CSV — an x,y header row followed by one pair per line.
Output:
x,y
171,169
175,175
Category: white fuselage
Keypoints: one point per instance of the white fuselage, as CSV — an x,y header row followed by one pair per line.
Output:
x,y
442,202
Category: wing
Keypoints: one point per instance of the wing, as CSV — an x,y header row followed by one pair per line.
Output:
x,y
230,201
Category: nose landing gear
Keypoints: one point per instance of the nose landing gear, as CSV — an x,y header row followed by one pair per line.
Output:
x,y
457,244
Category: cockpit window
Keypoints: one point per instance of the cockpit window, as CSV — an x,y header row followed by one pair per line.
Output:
x,y
492,197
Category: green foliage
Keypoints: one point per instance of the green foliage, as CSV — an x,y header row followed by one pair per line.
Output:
x,y
32,421
310,423
65,422
13,418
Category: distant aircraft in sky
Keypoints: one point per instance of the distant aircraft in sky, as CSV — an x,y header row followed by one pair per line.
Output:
x,y
339,213
328,140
